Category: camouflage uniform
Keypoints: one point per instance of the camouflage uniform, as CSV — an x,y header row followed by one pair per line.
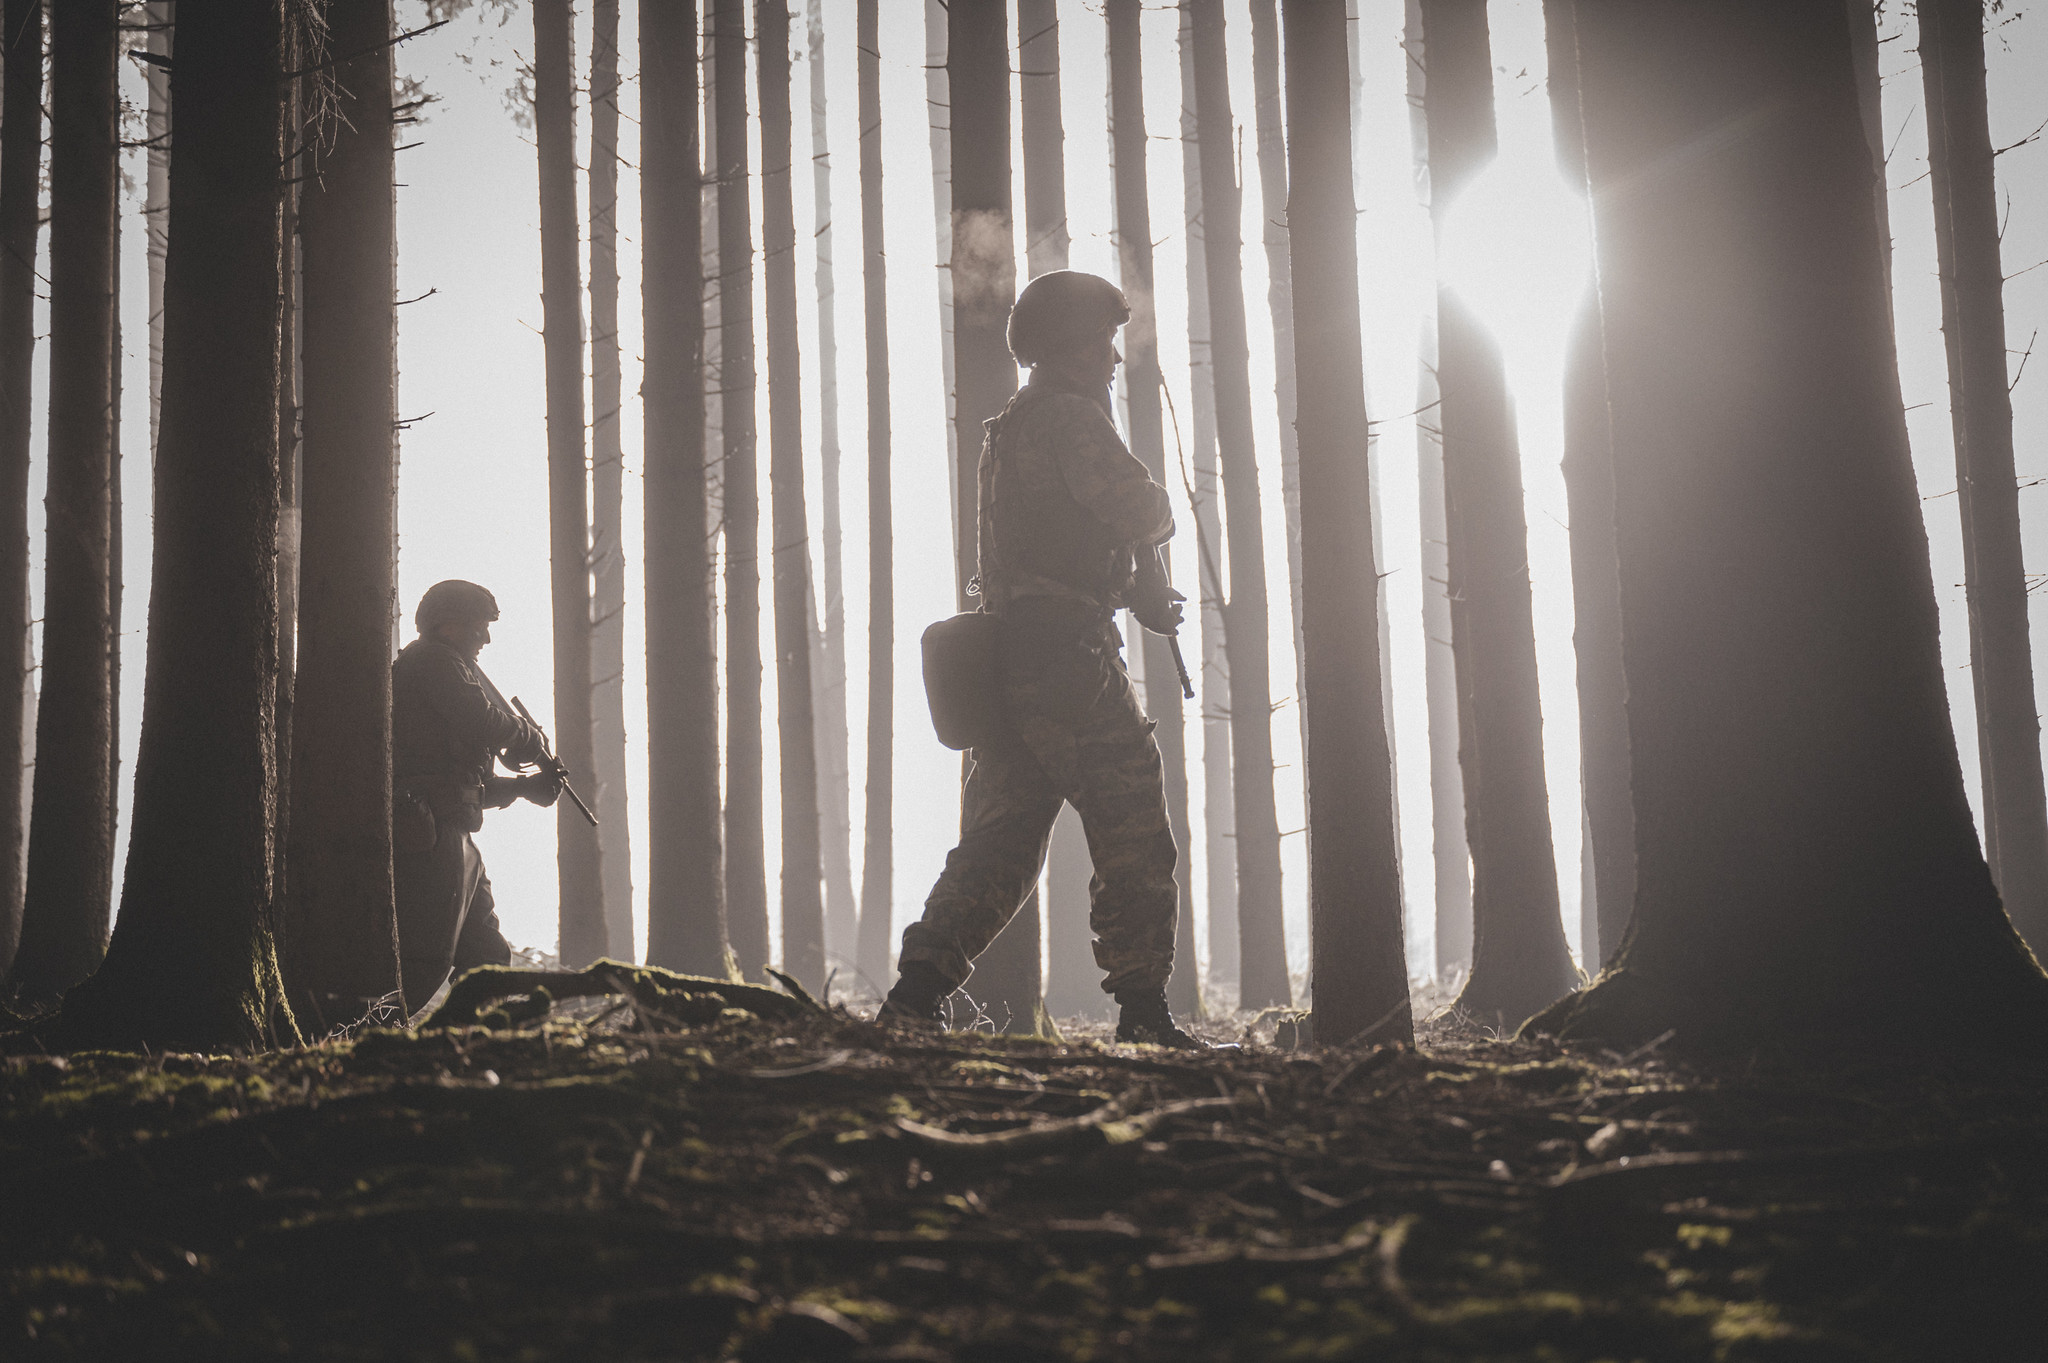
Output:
x,y
1062,504
446,732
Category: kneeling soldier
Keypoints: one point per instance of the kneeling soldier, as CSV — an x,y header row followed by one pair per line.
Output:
x,y
1069,523
449,727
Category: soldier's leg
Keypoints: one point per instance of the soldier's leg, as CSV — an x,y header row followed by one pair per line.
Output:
x,y
1119,790
1006,816
432,889
482,941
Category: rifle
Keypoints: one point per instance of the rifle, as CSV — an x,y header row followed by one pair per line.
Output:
x,y
552,765
1157,564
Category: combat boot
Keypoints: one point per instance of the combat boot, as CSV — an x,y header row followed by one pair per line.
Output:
x,y
1144,1018
918,997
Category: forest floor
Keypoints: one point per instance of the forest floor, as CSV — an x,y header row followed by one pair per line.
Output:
x,y
821,1188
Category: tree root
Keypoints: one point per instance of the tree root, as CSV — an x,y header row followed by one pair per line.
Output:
x,y
1110,1124
686,1000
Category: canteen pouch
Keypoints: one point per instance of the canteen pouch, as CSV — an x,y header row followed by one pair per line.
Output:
x,y
960,681
412,825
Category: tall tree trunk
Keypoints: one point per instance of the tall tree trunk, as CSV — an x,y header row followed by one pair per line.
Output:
x,y
803,905
877,873
1520,960
1261,934
1608,870
157,187
1273,187
607,486
297,42
1806,860
192,963
21,157
579,856
835,793
71,837
685,859
1148,441
341,940
1009,982
1966,233
1219,816
746,854
1358,966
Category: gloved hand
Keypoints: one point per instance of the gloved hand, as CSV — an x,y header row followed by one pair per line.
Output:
x,y
1152,600
542,788
526,745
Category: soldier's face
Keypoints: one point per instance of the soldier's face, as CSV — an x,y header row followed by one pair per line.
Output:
x,y
1092,361
467,637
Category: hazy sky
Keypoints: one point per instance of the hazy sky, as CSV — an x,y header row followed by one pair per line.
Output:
x,y
473,500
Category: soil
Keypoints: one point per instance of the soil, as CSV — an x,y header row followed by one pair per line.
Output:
x,y
625,1187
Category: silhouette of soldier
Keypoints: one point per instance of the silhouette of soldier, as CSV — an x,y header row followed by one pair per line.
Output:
x,y
449,729
1069,524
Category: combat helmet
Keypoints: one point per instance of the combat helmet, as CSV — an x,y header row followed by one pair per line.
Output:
x,y
1060,308
454,601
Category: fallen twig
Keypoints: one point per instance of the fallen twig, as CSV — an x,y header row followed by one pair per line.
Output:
x,y
1106,1125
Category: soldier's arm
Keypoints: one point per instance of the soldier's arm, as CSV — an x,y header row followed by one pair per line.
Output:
x,y
465,707
1107,478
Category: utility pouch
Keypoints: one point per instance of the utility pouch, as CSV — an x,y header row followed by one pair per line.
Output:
x,y
412,825
960,682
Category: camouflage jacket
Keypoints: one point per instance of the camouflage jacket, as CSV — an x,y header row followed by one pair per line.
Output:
x,y
447,730
1062,502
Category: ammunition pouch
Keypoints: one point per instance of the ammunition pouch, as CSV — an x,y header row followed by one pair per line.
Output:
x,y
413,829
960,681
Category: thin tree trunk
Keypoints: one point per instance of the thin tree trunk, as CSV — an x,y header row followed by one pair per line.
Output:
x,y
1520,960
746,855
939,129
877,875
71,837
579,855
1273,187
835,795
1009,982
1219,815
342,927
1261,934
1807,863
288,474
803,905
685,861
1044,137
1148,441
1358,966
21,156
157,188
1966,235
192,963
1608,872
607,485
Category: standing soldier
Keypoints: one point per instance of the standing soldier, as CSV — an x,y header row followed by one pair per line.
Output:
x,y
1069,525
449,727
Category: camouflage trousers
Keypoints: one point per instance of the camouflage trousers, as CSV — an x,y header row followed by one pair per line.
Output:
x,y
1076,734
447,917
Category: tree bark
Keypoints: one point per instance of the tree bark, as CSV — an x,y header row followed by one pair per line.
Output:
x,y
1218,814
71,833
1044,137
579,855
1261,933
341,940
746,855
1009,982
1148,441
877,886
21,155
1608,870
685,859
1520,960
297,42
803,906
607,486
1806,860
1966,235
192,963
877,875
1357,964
835,792
157,188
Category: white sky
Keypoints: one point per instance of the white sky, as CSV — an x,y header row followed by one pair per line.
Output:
x,y
473,498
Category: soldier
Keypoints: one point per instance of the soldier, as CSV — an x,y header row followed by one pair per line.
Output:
x,y
449,727
1069,525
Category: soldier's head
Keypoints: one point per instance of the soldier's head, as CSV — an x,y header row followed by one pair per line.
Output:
x,y
1065,322
458,614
